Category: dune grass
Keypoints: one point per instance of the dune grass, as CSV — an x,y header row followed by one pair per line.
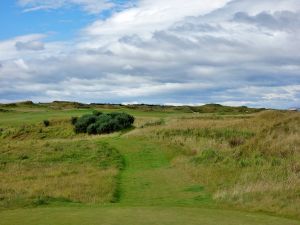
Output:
x,y
173,168
247,162
39,172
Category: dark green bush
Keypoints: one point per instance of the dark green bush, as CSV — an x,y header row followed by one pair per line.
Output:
x,y
96,113
103,123
46,123
92,129
83,122
104,118
74,120
105,127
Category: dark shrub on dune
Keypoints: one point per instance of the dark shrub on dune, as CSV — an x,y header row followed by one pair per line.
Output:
x,y
74,120
103,123
83,122
46,123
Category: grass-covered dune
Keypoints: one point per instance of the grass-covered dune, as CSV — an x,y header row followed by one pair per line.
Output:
x,y
176,165
62,105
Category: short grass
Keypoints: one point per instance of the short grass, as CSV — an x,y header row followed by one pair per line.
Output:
x,y
136,216
173,168
149,178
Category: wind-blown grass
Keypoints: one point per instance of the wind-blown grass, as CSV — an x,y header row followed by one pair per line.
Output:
x,y
250,162
213,160
38,172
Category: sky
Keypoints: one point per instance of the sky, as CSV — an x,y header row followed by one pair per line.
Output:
x,y
173,52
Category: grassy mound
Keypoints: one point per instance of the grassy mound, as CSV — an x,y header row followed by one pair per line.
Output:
x,y
41,172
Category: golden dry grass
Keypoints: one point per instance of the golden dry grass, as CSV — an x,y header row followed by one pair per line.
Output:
x,y
256,158
248,161
28,184
39,172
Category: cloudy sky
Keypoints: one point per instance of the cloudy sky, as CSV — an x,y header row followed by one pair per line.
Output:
x,y
232,52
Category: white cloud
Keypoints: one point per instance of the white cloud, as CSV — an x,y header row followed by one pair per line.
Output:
x,y
90,6
31,45
9,48
151,15
21,64
130,103
181,52
288,93
238,103
183,104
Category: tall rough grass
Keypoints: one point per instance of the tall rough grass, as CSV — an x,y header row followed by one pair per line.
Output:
x,y
40,172
250,162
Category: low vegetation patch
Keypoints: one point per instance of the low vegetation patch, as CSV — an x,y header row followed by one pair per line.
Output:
x,y
46,123
4,110
153,123
102,123
41,172
250,163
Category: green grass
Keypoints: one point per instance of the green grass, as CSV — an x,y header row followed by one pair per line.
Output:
x,y
136,216
21,116
174,168
38,172
149,177
17,118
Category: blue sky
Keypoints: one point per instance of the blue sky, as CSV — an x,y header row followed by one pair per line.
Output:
x,y
62,23
232,52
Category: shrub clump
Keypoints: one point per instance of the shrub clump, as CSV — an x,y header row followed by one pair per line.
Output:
x,y
103,123
46,123
74,120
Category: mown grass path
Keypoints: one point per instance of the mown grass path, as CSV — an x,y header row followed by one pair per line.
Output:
x,y
150,179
